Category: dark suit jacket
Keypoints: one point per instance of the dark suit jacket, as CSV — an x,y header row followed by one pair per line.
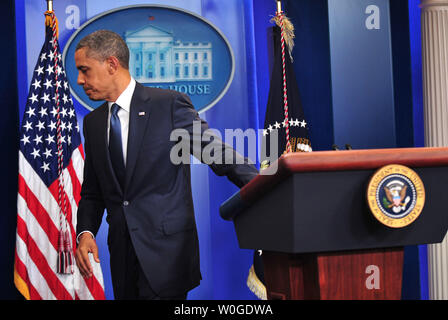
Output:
x,y
155,205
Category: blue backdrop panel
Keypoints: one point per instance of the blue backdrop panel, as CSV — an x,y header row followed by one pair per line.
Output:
x,y
402,76
312,67
401,49
418,121
230,263
415,32
361,64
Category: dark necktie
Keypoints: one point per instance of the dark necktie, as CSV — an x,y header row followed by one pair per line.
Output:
x,y
115,145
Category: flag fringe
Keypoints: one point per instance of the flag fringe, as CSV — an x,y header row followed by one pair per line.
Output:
x,y
21,285
255,285
288,29
65,254
65,262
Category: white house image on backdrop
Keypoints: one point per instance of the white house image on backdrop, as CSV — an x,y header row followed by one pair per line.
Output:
x,y
155,57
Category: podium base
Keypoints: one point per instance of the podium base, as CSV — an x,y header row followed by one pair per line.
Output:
x,y
355,275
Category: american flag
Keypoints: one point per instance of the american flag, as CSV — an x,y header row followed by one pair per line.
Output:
x,y
51,161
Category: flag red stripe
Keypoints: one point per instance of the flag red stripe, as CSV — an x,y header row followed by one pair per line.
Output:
x,y
33,293
81,150
39,212
55,285
95,288
75,182
23,273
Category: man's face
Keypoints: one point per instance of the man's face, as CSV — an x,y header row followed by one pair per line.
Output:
x,y
93,75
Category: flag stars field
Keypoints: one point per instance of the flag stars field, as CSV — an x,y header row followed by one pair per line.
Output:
x,y
39,118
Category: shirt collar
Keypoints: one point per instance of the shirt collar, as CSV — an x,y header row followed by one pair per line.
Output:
x,y
124,100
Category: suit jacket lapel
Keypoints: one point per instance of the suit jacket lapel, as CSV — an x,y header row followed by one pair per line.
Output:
x,y
138,121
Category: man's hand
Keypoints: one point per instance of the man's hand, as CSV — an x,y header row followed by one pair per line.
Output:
x,y
86,245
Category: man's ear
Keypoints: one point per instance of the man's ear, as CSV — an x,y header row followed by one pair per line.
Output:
x,y
112,64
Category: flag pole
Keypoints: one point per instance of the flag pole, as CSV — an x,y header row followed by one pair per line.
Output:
x,y
279,6
49,5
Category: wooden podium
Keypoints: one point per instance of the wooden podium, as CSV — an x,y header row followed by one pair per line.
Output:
x,y
319,238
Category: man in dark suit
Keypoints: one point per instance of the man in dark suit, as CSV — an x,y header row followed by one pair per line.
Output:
x,y
152,238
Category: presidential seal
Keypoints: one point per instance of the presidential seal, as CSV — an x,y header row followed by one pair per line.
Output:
x,y
396,196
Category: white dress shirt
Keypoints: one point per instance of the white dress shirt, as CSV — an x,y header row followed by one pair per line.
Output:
x,y
124,101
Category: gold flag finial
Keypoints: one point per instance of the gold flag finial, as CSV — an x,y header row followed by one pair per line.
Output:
x,y
50,18
49,5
